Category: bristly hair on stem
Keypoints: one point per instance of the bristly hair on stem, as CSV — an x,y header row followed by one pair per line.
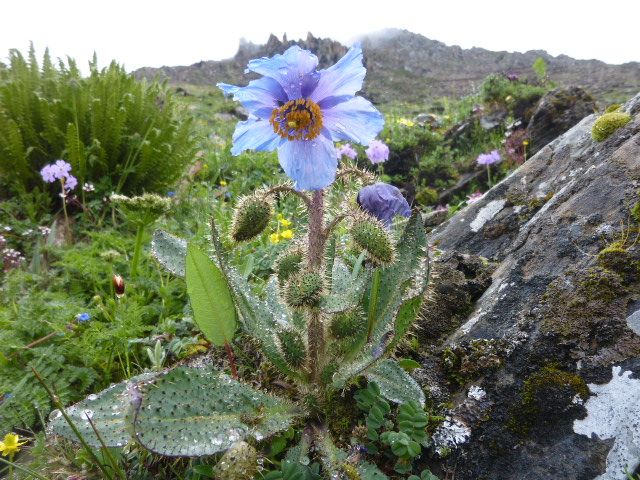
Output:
x,y
288,188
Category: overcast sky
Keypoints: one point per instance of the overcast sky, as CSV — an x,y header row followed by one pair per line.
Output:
x,y
159,32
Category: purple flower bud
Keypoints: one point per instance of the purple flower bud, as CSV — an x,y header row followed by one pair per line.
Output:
x,y
384,202
377,152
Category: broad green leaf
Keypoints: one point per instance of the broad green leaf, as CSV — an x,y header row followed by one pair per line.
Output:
x,y
108,410
395,384
196,412
213,309
170,251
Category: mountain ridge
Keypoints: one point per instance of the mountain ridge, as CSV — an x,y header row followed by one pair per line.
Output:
x,y
408,67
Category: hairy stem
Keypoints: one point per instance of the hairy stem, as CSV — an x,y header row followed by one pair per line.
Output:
x,y
288,189
315,330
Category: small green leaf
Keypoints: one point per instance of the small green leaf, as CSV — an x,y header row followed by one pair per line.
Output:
x,y
213,309
408,364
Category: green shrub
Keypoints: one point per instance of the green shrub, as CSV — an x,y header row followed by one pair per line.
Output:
x,y
497,88
119,133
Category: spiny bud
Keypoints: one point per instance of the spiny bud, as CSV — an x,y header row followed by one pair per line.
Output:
x,y
292,347
370,235
289,263
240,462
118,285
348,324
251,216
303,289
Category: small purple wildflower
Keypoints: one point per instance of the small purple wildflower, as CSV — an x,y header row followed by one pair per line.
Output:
x,y
489,158
48,173
70,183
384,202
512,77
348,151
171,194
377,152
83,317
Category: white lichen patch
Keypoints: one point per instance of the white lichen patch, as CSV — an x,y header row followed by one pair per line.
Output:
x,y
614,412
476,393
466,328
449,435
486,213
633,321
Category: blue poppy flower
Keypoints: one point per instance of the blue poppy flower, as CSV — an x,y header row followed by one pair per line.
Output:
x,y
301,111
384,202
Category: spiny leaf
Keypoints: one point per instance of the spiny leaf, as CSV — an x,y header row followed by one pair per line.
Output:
x,y
395,384
170,251
108,410
213,308
195,412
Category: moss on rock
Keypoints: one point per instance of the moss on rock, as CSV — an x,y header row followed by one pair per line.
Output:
x,y
608,123
545,396
586,308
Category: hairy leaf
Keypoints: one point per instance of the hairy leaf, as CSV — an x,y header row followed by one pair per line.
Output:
x,y
195,412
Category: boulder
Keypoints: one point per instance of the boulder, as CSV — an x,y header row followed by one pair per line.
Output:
x,y
530,333
557,112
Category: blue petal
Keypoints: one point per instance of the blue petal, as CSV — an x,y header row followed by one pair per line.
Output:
x,y
343,78
254,134
260,97
356,120
311,164
294,70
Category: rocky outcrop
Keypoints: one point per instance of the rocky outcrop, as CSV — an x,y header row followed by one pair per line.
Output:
x,y
406,66
541,354
557,112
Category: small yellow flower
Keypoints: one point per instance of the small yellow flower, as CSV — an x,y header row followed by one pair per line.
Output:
x,y
508,98
406,122
525,143
287,234
274,238
284,222
223,183
10,445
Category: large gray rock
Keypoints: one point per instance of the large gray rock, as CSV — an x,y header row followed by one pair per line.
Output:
x,y
535,308
557,112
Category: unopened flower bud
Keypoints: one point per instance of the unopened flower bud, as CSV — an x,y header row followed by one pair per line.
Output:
x,y
118,285
289,263
292,347
303,289
370,235
251,217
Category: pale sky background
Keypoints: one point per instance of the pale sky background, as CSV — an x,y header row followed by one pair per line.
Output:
x,y
160,32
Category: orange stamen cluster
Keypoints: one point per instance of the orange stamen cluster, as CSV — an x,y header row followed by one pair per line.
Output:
x,y
299,119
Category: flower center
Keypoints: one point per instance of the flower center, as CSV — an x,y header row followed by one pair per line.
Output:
x,y
299,119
